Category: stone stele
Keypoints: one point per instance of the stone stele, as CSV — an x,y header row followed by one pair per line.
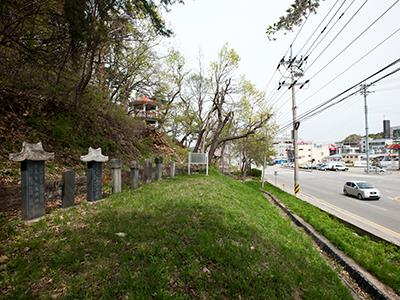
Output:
x,y
32,152
94,155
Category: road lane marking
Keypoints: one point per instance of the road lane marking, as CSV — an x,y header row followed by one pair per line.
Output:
x,y
395,199
374,206
354,216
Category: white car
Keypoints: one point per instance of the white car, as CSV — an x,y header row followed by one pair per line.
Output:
x,y
339,168
373,169
361,190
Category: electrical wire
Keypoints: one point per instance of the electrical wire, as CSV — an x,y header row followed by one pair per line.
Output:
x,y
354,40
326,104
307,53
352,65
344,71
333,26
319,25
316,112
273,102
337,34
287,50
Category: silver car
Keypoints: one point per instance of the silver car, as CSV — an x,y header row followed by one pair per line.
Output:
x,y
361,190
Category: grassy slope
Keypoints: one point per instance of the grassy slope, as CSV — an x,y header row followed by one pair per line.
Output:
x,y
189,237
382,259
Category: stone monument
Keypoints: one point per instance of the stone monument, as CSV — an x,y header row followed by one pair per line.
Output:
x,y
116,165
32,158
95,160
134,176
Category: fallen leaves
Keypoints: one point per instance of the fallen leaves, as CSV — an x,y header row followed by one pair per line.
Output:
x,y
3,259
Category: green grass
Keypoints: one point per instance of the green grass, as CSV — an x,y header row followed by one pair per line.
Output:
x,y
380,258
189,237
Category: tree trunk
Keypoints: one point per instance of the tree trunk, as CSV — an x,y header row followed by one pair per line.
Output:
x,y
85,78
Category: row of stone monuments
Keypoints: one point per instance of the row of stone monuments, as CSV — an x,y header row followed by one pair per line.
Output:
x,y
33,157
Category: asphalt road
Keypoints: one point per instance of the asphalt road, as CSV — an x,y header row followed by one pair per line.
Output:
x,y
326,188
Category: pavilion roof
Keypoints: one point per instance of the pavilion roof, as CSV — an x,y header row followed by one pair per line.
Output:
x,y
144,100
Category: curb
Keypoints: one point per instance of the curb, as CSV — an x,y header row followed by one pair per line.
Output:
x,y
364,279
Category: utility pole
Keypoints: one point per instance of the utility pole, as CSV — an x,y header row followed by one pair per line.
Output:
x,y
295,127
294,66
364,92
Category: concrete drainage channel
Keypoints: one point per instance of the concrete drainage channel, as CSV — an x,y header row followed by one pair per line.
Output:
x,y
365,281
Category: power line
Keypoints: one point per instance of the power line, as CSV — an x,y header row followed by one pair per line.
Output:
x,y
308,53
323,30
277,86
340,31
319,25
276,100
287,50
316,112
353,64
354,40
357,84
328,103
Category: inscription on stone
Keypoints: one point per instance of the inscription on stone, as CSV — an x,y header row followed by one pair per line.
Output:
x,y
32,186
94,181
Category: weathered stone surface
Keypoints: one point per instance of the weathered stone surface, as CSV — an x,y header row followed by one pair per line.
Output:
x,y
172,169
68,188
94,155
116,165
94,180
159,169
134,175
32,152
148,171
134,164
33,189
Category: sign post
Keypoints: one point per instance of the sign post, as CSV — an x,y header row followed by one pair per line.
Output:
x,y
198,159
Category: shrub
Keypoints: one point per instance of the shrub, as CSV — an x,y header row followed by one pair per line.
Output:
x,y
254,173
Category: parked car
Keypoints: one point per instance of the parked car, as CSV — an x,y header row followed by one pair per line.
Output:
x,y
373,169
322,167
338,167
306,166
361,190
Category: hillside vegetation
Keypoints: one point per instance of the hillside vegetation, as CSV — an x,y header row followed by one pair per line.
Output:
x,y
69,133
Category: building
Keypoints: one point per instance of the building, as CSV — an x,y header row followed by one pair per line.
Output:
x,y
145,108
395,132
283,150
310,153
386,129
376,146
334,149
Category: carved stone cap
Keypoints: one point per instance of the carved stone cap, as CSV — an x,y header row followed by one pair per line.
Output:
x,y
94,155
134,164
115,163
31,152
